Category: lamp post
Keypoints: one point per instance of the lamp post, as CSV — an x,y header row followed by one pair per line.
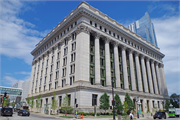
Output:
x,y
113,80
137,100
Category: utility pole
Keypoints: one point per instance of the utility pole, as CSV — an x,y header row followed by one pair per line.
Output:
x,y
113,103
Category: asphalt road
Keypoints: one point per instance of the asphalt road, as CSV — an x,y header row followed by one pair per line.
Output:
x,y
35,116
32,116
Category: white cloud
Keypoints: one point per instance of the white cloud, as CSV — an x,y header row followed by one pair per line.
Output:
x,y
24,73
17,36
167,34
7,80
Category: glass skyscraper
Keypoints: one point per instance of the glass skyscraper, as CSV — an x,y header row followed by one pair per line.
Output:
x,y
145,28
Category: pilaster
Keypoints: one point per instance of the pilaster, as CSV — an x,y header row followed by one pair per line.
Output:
x,y
138,72
133,82
125,74
107,57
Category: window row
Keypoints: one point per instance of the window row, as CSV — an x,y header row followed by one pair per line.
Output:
x,y
124,40
56,38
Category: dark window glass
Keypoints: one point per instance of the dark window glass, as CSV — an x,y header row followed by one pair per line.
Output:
x,y
94,100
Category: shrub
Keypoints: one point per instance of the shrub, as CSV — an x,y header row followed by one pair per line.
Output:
x,y
69,110
98,114
92,114
109,113
115,114
124,114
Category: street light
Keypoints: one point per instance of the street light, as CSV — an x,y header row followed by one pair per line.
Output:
x,y
137,100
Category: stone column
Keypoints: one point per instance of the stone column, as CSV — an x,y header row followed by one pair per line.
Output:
x,y
149,76
158,78
108,68
164,88
144,75
125,73
82,61
97,60
133,82
154,78
116,62
138,73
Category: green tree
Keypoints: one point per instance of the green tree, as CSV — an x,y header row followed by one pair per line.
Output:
x,y
125,107
38,101
104,102
174,100
28,99
54,101
31,104
129,102
65,104
118,106
6,102
167,105
13,104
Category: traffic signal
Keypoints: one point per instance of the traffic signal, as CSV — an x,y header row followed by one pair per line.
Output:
x,y
76,105
75,101
113,102
5,95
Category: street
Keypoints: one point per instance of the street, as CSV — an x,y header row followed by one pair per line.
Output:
x,y
33,116
37,116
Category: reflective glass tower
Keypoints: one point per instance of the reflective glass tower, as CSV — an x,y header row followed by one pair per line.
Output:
x,y
145,28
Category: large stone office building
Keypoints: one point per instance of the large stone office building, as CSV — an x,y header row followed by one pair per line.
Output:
x,y
86,51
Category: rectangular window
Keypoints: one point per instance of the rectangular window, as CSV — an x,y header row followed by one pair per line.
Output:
x,y
91,70
60,100
58,55
51,68
50,78
92,57
45,80
49,87
47,63
92,81
52,59
69,97
70,80
94,99
59,46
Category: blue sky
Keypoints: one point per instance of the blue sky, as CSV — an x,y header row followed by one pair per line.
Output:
x,y
24,23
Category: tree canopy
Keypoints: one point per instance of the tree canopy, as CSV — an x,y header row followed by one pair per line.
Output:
x,y
104,102
118,106
54,101
129,102
174,100
167,105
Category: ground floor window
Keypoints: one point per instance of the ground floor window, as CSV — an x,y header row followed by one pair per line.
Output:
x,y
94,99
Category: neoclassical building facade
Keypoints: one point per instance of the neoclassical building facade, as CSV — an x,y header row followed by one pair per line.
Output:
x,y
85,52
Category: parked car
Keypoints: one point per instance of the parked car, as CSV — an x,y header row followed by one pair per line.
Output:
x,y
6,111
160,115
23,113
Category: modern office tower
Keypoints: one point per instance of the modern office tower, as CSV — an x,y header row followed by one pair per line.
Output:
x,y
145,28
85,52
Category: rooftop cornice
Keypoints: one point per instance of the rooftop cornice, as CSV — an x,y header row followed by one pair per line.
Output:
x,y
82,7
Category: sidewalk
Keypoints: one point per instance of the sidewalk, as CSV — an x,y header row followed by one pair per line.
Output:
x,y
88,117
